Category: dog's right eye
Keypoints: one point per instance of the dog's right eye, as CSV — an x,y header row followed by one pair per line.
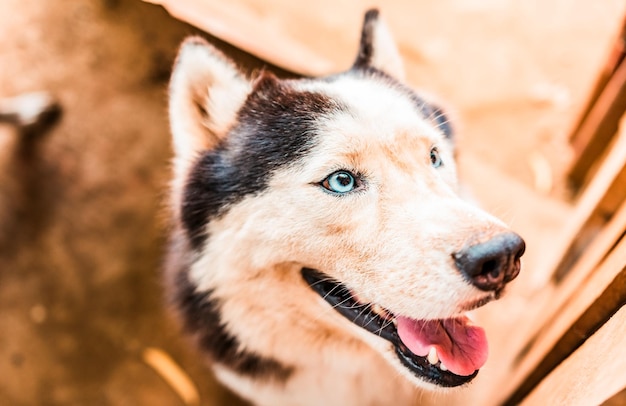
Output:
x,y
340,182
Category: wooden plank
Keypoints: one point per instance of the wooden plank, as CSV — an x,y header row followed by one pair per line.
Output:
x,y
592,374
597,251
597,299
619,399
280,31
598,128
596,206
553,295
552,298
616,56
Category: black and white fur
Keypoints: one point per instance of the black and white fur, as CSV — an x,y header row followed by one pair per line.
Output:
x,y
252,212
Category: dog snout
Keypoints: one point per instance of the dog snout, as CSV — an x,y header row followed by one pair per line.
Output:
x,y
491,264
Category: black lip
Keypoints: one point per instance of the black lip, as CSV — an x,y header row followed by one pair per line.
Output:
x,y
340,298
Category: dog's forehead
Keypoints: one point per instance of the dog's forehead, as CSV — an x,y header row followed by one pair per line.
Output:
x,y
375,109
378,116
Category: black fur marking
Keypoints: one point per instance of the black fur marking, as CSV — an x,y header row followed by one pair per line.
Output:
x,y
366,45
201,317
276,126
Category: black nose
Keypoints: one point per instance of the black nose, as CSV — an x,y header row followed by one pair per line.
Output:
x,y
492,264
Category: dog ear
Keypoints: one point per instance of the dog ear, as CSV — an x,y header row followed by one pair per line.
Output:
x,y
377,48
206,92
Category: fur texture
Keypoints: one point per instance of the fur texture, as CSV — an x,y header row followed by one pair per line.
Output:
x,y
251,207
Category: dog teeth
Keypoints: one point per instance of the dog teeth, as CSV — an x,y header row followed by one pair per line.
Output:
x,y
432,356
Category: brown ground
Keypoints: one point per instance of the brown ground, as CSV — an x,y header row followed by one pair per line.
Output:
x,y
81,234
79,273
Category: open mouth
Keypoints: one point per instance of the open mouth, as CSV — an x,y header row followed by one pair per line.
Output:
x,y
446,352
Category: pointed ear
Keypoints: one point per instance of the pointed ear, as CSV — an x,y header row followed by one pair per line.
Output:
x,y
206,91
377,48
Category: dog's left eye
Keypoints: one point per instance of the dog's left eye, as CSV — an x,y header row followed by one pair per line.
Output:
x,y
435,159
340,182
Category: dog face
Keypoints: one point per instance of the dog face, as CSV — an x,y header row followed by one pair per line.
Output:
x,y
324,213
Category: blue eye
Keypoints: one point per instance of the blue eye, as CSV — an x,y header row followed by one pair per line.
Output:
x,y
435,159
340,182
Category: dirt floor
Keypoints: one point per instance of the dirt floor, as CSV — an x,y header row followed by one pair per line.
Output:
x,y
79,273
80,293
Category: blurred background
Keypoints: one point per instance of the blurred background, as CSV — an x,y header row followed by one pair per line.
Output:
x,y
82,319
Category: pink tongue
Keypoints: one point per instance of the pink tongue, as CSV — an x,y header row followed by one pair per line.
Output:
x,y
461,348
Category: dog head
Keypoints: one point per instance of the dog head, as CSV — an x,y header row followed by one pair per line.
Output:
x,y
296,194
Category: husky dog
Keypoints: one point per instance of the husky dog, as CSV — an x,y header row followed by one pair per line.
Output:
x,y
320,253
